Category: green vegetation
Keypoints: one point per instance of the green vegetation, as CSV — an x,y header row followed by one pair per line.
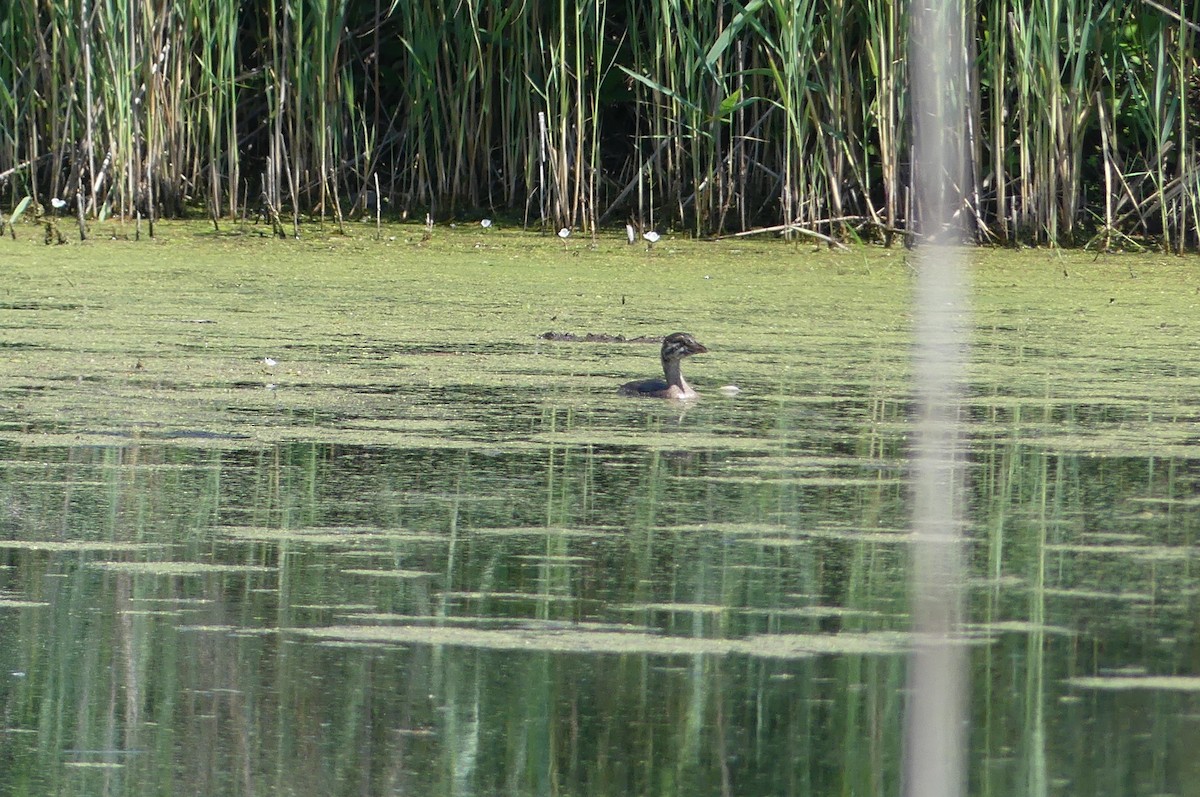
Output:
x,y
1081,124
327,512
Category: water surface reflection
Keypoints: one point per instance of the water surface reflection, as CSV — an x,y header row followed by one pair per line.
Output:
x,y
597,598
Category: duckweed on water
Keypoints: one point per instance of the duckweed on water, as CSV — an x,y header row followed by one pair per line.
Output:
x,y
58,546
565,641
1092,594
1014,626
177,568
541,531
684,608
329,536
459,594
1136,551
369,463
1160,683
345,366
388,573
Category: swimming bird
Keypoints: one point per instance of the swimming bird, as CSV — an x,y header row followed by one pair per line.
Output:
x,y
675,347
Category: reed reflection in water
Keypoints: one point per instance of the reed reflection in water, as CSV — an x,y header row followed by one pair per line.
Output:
x,y
711,613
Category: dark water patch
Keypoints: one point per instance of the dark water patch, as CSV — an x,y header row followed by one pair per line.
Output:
x,y
40,306
596,337
26,388
90,379
257,385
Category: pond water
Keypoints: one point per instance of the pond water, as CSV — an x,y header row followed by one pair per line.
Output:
x,y
329,517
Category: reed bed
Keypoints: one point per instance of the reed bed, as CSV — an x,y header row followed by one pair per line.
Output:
x,y
717,118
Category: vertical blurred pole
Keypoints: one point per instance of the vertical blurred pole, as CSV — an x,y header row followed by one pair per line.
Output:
x,y
935,729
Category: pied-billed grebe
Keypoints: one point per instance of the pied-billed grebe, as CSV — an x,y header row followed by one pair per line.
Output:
x,y
675,347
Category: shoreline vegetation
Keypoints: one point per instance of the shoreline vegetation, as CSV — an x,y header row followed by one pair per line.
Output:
x,y
781,116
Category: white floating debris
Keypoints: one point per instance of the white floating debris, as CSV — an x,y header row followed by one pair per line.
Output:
x,y
730,390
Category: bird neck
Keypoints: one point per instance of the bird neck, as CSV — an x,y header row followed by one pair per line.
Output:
x,y
674,375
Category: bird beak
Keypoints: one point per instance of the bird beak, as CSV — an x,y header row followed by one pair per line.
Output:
x,y
700,348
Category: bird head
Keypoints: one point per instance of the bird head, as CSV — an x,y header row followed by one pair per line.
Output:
x,y
678,345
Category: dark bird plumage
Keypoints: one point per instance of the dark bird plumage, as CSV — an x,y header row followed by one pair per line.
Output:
x,y
674,348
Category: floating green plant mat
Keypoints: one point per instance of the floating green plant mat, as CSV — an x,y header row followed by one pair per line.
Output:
x,y
1094,594
1119,683
178,568
505,596
16,603
538,531
1155,552
368,471
568,641
729,528
329,536
1020,627
807,479
77,545
397,574
815,611
682,608
365,342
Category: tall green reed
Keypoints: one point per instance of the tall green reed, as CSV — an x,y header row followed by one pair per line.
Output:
x,y
779,114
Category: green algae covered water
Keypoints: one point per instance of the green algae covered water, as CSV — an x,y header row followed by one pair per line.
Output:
x,y
331,517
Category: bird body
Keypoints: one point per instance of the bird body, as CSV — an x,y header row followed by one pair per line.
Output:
x,y
675,347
